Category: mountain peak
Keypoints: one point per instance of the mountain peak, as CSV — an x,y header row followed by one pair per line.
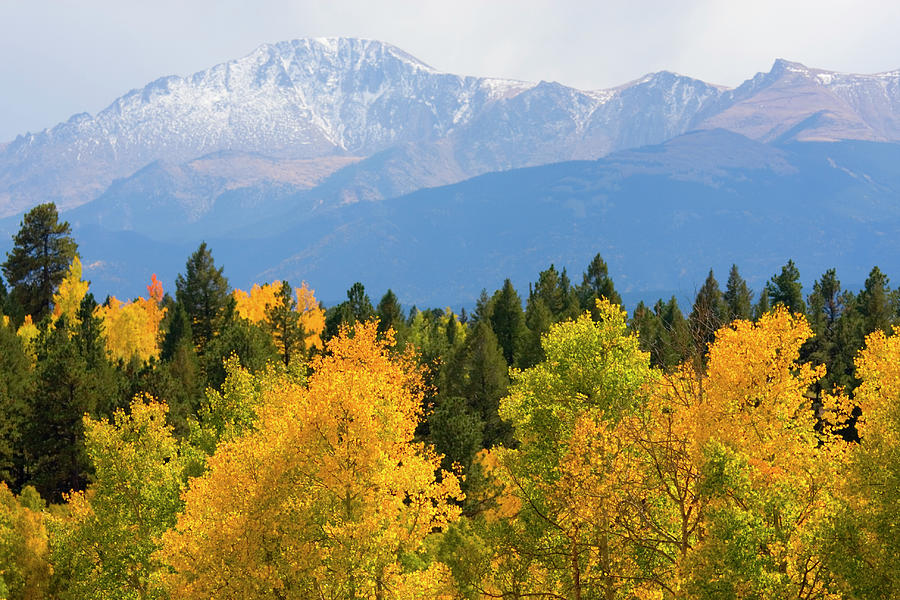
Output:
x,y
782,66
340,50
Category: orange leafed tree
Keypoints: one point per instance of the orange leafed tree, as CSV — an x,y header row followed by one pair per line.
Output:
x,y
132,328
328,497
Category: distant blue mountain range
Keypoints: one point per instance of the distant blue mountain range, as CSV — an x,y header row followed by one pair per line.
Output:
x,y
661,216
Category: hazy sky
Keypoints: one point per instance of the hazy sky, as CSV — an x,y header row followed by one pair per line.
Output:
x,y
62,57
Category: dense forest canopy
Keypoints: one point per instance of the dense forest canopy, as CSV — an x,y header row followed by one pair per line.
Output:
x,y
256,444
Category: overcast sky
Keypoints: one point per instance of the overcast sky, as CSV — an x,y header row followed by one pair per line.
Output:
x,y
63,57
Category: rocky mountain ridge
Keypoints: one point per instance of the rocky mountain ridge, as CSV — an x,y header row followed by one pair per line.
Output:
x,y
312,99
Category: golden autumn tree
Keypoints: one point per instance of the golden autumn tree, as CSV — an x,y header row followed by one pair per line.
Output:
x,y
103,542
28,333
866,546
768,466
329,496
562,493
312,316
132,328
24,565
70,293
254,307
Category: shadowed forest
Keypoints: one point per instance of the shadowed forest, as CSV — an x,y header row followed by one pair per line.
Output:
x,y
225,443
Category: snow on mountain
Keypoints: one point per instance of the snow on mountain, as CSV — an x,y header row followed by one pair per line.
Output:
x,y
807,104
297,99
309,99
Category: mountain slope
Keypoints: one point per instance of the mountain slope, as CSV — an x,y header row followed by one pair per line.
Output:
x,y
796,102
660,215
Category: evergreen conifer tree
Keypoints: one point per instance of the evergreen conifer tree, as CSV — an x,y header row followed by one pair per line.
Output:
x,y
283,321
479,373
360,305
42,251
483,307
356,308
877,303
178,334
16,391
786,289
738,296
709,313
65,392
390,313
508,322
596,283
538,319
674,342
825,307
548,289
251,343
204,293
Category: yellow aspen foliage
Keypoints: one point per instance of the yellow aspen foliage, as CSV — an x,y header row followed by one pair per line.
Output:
x,y
28,332
329,496
132,328
878,366
253,306
68,297
103,540
768,473
866,547
564,493
312,316
24,553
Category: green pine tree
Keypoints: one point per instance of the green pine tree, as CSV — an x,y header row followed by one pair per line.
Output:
x,y
508,322
709,313
42,251
877,304
16,391
785,289
67,388
283,321
479,373
596,283
674,343
738,296
538,319
825,307
357,308
203,291
252,345
390,313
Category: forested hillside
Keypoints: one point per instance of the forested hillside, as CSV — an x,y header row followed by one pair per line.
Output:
x,y
227,443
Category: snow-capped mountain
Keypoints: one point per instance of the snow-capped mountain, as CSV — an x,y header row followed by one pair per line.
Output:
x,y
313,98
294,107
808,104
